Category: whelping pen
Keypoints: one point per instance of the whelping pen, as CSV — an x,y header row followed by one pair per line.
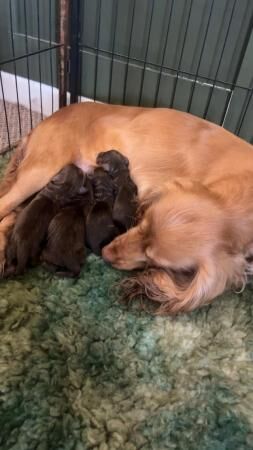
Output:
x,y
191,55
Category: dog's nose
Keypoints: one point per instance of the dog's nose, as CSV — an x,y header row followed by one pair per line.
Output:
x,y
107,253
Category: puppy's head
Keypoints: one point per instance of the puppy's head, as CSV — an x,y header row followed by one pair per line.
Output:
x,y
69,182
113,162
102,185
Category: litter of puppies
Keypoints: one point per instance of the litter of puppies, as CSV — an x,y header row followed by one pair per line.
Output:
x,y
72,212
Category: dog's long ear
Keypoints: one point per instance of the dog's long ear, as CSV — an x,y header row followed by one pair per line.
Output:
x,y
151,197
174,296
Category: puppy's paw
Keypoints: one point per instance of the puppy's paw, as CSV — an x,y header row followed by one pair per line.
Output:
x,y
2,263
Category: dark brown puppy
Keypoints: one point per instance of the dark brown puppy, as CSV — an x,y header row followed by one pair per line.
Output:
x,y
125,190
32,223
100,228
64,253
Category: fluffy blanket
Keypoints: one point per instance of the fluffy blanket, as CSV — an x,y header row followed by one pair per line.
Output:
x,y
80,371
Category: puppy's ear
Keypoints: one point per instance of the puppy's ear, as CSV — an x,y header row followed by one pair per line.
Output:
x,y
126,160
100,157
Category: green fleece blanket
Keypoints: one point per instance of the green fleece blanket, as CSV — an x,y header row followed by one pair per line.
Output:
x,y
80,371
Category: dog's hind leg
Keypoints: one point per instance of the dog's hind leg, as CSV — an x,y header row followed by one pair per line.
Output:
x,y
10,173
33,174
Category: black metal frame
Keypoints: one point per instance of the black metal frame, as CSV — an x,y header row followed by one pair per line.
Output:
x,y
26,57
70,48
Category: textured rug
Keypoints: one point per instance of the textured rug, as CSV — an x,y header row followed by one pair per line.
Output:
x,y
16,122
79,371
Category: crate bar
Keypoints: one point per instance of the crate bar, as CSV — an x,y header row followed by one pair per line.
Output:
x,y
5,111
219,63
163,56
39,59
50,56
97,46
200,58
79,75
146,52
26,55
64,7
181,55
247,103
238,68
115,9
27,63
128,53
74,49
14,65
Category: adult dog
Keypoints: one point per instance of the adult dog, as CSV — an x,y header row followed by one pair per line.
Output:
x,y
194,178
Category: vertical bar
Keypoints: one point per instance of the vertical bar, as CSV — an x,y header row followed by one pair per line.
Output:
x,y
14,65
128,53
181,55
115,9
146,52
39,59
97,47
219,63
200,58
63,52
50,55
5,111
239,65
250,94
163,55
74,49
27,63
79,82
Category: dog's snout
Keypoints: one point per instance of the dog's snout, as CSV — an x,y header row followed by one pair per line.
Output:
x,y
107,253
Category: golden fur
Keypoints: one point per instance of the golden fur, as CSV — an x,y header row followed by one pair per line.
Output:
x,y
194,179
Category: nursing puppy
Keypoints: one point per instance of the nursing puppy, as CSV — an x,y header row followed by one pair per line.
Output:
x,y
100,228
125,205
64,253
32,223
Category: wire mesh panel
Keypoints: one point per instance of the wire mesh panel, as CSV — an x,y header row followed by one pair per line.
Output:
x,y
192,55
28,66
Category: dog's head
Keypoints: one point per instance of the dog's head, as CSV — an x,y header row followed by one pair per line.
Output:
x,y
173,233
183,231
113,162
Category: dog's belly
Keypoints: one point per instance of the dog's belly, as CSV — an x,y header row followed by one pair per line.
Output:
x,y
85,165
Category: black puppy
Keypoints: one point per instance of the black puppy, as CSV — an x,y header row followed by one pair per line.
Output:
x,y
100,228
125,190
64,253
33,221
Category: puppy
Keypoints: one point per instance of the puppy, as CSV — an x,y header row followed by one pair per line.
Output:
x,y
64,253
100,228
32,223
125,205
